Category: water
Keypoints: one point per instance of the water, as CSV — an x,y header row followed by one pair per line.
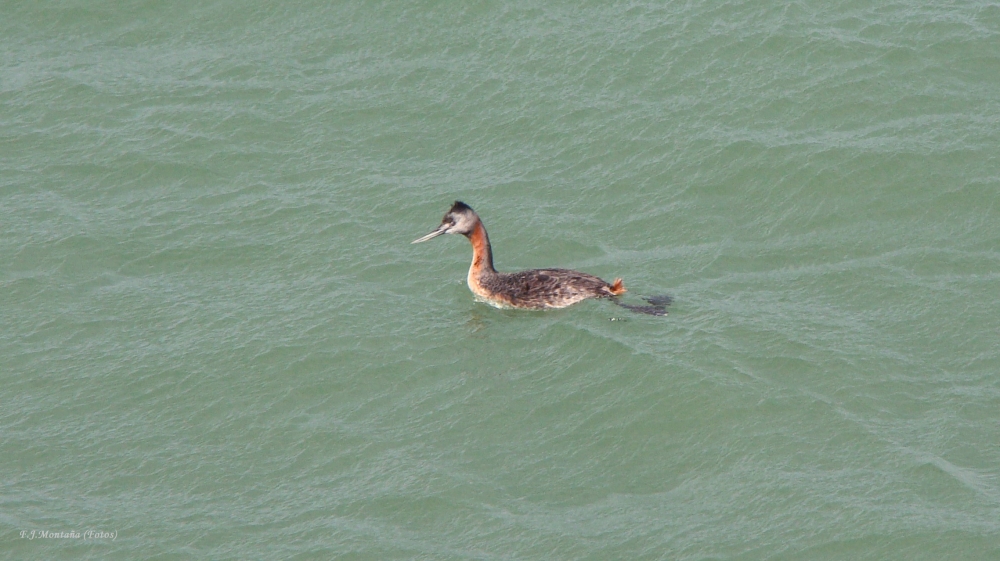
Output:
x,y
219,344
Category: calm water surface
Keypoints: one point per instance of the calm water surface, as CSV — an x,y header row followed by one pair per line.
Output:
x,y
218,342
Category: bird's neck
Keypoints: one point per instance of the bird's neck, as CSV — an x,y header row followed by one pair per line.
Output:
x,y
482,253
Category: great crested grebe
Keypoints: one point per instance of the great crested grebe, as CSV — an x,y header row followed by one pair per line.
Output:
x,y
536,289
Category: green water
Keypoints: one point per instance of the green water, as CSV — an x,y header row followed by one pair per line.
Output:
x,y
218,342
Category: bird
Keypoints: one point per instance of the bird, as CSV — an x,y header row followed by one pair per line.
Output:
x,y
535,289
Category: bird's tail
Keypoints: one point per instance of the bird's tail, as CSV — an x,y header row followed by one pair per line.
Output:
x,y
617,288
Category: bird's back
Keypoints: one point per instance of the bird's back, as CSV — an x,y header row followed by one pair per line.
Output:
x,y
546,288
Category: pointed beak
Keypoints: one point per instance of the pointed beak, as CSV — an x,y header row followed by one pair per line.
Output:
x,y
437,232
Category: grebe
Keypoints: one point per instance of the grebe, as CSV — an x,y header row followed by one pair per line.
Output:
x,y
533,290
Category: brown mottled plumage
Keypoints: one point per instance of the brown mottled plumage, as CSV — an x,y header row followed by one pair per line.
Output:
x,y
535,289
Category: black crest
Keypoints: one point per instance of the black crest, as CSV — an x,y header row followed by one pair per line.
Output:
x,y
459,206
